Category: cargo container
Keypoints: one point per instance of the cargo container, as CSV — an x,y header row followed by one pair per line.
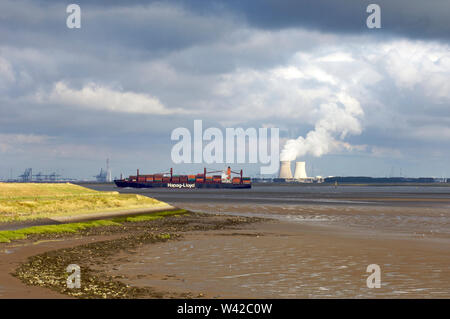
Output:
x,y
169,180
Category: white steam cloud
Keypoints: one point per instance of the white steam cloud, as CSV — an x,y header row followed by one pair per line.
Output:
x,y
338,118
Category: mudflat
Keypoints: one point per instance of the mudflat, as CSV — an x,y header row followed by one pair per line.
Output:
x,y
286,260
223,256
27,266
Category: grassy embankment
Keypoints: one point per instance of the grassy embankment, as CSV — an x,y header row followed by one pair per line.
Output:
x,y
7,235
27,201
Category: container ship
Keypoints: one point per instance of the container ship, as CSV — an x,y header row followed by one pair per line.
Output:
x,y
169,180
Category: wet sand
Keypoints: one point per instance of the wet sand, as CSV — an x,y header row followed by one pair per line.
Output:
x,y
308,246
263,259
12,255
286,260
41,260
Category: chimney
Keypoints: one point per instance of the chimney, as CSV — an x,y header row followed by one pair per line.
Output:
x,y
108,172
300,171
285,170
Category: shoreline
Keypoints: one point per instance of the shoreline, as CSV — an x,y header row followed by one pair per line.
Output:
x,y
44,270
222,256
83,217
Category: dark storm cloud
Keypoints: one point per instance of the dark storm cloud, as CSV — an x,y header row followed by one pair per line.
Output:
x,y
410,18
144,29
247,64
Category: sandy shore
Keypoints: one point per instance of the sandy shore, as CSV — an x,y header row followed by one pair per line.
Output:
x,y
41,260
282,260
218,256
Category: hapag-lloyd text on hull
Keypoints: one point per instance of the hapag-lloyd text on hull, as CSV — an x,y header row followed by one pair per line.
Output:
x,y
181,185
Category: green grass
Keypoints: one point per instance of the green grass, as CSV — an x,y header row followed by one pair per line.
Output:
x,y
7,235
27,201
152,216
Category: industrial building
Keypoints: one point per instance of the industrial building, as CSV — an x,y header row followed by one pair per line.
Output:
x,y
299,176
104,176
28,177
285,170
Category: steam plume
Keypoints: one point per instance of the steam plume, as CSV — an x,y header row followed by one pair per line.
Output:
x,y
338,118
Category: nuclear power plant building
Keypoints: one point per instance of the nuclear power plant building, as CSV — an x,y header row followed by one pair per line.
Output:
x,y
300,170
285,170
300,175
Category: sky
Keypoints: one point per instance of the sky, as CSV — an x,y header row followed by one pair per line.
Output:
x,y
350,100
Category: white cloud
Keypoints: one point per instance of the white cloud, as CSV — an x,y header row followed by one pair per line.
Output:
x,y
218,68
419,65
337,57
310,83
98,97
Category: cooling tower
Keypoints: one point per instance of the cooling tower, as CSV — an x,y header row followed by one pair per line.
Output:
x,y
285,170
300,171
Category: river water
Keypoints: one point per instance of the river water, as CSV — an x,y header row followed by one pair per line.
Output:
x,y
320,244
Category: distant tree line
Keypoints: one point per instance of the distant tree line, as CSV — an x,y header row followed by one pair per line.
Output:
x,y
370,180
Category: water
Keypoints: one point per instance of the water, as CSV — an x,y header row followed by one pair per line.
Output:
x,y
284,263
301,194
326,239
416,211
